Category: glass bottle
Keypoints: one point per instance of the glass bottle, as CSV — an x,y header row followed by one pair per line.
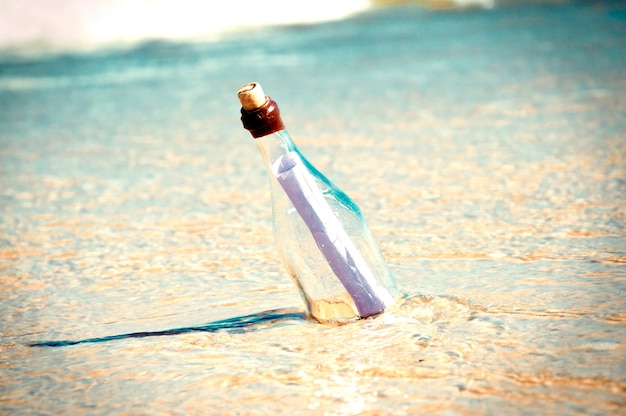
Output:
x,y
320,232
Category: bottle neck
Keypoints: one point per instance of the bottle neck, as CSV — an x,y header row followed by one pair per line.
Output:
x,y
267,127
272,146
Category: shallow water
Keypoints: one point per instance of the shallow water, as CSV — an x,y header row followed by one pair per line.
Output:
x,y
487,149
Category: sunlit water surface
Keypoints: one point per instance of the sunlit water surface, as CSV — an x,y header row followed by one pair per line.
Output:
x,y
487,148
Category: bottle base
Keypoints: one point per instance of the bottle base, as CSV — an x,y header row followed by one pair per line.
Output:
x,y
334,313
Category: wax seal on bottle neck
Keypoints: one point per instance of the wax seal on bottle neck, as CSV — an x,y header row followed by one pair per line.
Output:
x,y
259,113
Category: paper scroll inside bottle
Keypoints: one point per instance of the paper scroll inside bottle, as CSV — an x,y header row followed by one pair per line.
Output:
x,y
343,257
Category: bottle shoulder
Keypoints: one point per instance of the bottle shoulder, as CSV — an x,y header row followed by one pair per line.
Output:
x,y
275,146
329,188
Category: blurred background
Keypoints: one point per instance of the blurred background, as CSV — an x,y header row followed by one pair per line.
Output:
x,y
74,24
485,142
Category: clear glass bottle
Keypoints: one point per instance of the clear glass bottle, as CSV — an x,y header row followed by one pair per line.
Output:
x,y
320,232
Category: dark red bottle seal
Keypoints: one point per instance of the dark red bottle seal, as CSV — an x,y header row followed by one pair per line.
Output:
x,y
263,120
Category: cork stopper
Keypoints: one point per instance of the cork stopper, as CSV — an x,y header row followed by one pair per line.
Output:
x,y
251,96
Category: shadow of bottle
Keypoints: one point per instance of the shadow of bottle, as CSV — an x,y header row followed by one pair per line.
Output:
x,y
236,325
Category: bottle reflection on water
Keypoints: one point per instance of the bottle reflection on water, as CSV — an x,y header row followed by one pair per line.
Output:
x,y
320,232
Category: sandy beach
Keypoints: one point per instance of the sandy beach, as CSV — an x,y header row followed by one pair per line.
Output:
x,y
486,148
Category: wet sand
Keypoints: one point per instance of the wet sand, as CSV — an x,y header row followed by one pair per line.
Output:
x,y
487,149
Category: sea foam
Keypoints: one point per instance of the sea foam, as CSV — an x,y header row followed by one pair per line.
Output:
x,y
75,24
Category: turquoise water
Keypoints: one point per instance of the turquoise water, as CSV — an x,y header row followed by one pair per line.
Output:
x,y
487,149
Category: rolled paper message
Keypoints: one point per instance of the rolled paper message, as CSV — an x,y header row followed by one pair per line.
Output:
x,y
334,243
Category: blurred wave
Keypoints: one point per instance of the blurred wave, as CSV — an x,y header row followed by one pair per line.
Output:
x,y
36,26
